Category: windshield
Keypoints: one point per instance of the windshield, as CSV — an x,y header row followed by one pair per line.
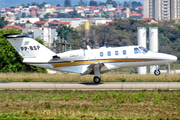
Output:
x,y
144,49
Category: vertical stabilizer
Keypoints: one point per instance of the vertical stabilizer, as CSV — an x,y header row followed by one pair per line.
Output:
x,y
29,49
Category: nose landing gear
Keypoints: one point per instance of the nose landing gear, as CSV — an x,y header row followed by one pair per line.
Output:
x,y
157,72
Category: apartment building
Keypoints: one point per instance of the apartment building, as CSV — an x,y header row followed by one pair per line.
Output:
x,y
162,9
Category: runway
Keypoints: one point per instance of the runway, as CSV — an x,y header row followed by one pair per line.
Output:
x,y
89,86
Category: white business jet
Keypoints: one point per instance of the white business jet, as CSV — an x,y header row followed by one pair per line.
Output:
x,y
90,61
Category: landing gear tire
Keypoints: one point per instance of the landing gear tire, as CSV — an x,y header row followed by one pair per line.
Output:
x,y
157,72
97,79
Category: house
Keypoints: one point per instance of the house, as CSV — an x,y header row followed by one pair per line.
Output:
x,y
12,26
58,23
64,9
151,20
33,12
24,12
32,20
41,23
86,8
80,10
49,10
8,9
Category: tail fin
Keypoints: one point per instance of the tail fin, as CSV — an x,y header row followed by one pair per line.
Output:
x,y
29,49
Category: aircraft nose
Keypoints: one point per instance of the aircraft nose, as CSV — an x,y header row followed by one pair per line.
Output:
x,y
172,58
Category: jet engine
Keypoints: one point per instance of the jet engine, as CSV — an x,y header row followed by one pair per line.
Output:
x,y
70,55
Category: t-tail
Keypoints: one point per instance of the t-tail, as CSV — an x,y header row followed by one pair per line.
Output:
x,y
31,50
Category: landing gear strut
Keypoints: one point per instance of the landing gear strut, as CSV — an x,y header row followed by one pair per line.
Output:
x,y
97,75
97,79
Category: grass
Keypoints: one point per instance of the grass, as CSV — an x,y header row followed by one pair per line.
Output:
x,y
109,77
39,104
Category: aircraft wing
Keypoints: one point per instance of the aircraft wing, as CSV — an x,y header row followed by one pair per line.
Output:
x,y
90,69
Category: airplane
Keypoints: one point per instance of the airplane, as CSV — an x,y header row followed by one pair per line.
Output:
x,y
86,61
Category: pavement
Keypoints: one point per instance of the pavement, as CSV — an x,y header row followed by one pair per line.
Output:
x,y
90,86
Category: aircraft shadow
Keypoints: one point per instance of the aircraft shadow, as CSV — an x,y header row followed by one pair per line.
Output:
x,y
91,83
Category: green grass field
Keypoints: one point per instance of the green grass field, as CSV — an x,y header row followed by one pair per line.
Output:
x,y
19,104
108,77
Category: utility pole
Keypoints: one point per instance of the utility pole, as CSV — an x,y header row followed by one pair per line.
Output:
x,y
63,45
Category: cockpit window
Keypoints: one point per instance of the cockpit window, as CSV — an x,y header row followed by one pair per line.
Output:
x,y
136,51
144,49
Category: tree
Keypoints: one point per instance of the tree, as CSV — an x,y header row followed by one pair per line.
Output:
x,y
12,7
24,6
93,3
105,14
28,4
102,4
134,4
33,3
67,3
3,22
114,4
81,3
58,5
41,5
109,2
75,40
63,31
28,21
17,18
126,4
10,60
139,4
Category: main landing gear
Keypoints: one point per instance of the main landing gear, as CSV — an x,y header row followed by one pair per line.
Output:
x,y
97,75
157,72
97,79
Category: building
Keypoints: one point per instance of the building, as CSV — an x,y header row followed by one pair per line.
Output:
x,y
47,34
161,9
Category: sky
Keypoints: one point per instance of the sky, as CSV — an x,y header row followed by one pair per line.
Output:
x,y
9,3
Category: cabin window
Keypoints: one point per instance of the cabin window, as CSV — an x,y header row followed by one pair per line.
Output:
x,y
116,53
124,52
109,53
101,54
136,51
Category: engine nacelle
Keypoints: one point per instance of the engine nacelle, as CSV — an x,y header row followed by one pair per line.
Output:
x,y
72,55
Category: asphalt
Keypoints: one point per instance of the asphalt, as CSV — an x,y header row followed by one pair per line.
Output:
x,y
90,86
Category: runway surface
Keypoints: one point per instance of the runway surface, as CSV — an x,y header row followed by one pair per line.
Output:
x,y
90,86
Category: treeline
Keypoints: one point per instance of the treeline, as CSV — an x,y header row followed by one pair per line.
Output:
x,y
10,60
68,3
